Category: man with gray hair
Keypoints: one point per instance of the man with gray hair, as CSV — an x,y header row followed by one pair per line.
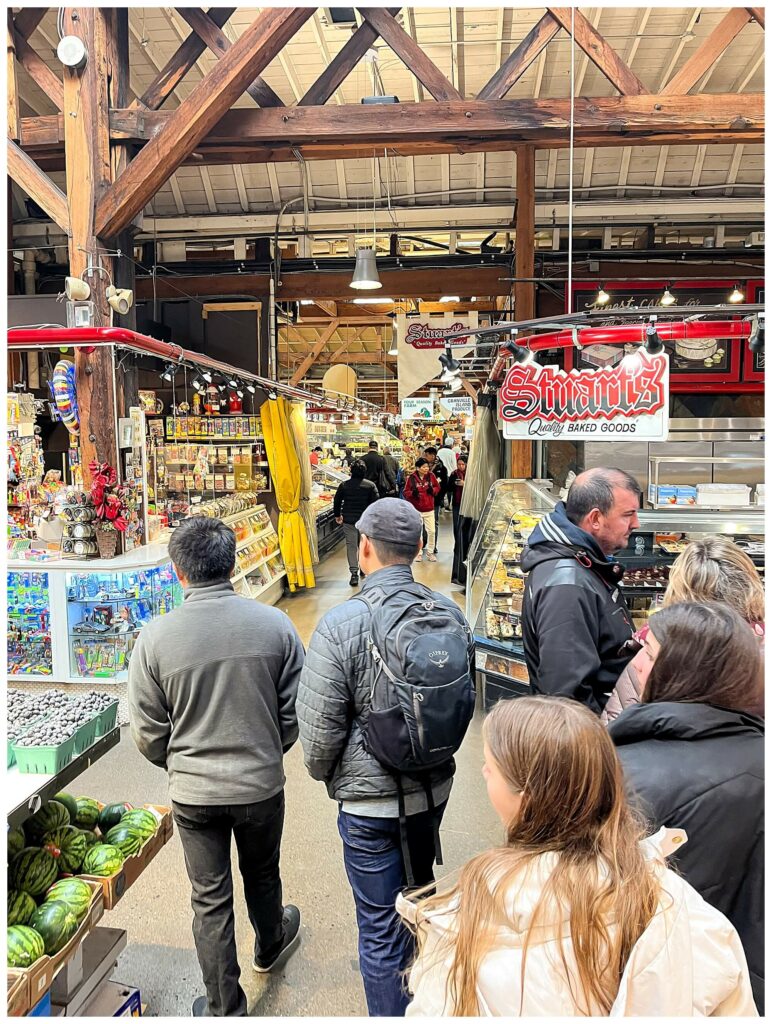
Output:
x,y
212,690
575,621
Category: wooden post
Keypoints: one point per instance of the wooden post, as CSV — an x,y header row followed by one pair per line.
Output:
x,y
521,452
13,97
87,150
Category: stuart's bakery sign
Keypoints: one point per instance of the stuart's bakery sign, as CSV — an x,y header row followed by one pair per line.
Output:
x,y
626,401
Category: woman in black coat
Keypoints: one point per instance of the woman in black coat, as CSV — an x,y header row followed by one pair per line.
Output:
x,y
693,758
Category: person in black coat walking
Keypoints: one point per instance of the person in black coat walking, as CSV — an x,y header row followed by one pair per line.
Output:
x,y
351,499
693,758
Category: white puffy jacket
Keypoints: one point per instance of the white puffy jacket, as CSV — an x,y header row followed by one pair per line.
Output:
x,y
689,962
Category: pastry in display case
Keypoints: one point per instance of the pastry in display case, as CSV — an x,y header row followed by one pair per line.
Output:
x,y
326,481
29,624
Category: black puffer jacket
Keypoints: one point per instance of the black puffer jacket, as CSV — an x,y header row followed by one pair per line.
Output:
x,y
575,620
701,768
334,699
352,498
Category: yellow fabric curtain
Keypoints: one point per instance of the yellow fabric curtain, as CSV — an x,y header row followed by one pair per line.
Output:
x,y
297,425
285,471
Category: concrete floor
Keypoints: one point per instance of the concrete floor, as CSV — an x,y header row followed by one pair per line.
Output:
x,y
322,978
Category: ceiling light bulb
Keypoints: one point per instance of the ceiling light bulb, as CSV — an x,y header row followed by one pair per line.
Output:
x,y
667,297
450,298
602,297
376,299
737,294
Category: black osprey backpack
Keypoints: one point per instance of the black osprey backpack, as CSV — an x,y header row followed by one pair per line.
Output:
x,y
423,694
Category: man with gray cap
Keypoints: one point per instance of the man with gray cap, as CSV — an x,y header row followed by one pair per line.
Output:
x,y
377,810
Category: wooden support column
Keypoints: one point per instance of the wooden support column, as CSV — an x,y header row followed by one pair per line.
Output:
x,y
13,96
87,149
521,452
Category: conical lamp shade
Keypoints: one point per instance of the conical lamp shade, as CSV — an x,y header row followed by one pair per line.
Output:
x,y
365,271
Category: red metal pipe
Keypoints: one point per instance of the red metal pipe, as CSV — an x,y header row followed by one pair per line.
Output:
x,y
627,334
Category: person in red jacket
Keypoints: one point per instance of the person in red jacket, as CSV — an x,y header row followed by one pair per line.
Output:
x,y
421,489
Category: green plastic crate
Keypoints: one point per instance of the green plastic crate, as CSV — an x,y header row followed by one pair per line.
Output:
x,y
86,735
11,755
106,720
44,760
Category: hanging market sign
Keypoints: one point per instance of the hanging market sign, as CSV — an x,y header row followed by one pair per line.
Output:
x,y
421,340
456,406
629,400
417,408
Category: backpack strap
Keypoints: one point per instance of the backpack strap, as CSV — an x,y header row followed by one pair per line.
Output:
x,y
403,833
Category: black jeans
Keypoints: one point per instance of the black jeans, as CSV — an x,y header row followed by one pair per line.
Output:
x,y
205,833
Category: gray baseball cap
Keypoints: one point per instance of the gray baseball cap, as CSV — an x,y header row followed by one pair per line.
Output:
x,y
392,520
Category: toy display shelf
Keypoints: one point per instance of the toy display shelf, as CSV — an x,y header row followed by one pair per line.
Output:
x,y
25,794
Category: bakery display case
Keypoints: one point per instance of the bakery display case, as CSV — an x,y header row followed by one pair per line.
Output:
x,y
496,584
326,481
29,624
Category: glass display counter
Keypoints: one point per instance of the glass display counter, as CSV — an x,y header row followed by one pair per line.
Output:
x,y
76,619
326,482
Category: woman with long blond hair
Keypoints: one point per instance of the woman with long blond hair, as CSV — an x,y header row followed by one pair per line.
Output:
x,y
575,915
711,569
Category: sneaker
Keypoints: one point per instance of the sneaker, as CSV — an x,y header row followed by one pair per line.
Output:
x,y
418,558
200,1007
354,581
291,923
432,558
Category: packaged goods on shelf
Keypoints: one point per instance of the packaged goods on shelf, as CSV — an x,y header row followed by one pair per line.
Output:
x,y
723,495
673,494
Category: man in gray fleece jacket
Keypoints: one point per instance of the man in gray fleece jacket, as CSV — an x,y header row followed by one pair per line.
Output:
x,y
212,689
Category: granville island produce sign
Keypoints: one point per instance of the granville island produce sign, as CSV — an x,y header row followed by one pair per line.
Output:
x,y
629,400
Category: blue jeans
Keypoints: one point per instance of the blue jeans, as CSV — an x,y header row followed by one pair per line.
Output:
x,y
372,854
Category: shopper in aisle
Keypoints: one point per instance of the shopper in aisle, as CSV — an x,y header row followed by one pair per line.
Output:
x,y
316,455
456,491
710,569
212,689
440,472
376,469
421,490
351,499
577,914
576,625
334,713
392,472
693,756
447,457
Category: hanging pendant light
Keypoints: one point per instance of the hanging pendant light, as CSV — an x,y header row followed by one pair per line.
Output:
x,y
737,294
365,270
668,299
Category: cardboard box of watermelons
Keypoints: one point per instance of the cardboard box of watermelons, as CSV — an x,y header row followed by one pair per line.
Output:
x,y
38,977
114,886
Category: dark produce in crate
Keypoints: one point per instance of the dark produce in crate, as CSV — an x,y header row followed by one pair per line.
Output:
x,y
48,733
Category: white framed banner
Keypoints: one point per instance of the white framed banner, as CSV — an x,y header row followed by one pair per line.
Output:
x,y
628,401
420,342
417,408
456,405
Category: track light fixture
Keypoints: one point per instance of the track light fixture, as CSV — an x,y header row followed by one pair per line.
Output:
x,y
756,339
737,294
272,395
198,385
250,387
603,297
520,353
169,372
207,375
450,366
653,342
668,299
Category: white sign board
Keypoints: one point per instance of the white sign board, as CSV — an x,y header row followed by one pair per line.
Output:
x,y
456,406
420,342
417,408
628,401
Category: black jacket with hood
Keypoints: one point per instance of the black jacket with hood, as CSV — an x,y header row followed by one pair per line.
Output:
x,y
575,620
701,768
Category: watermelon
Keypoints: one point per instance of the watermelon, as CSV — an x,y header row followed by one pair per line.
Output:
x,y
127,839
91,837
102,860
70,803
21,907
33,870
15,842
143,820
50,816
25,946
75,893
68,845
110,815
55,923
88,812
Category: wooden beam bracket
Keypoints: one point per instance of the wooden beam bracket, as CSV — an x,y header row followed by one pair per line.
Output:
x,y
38,186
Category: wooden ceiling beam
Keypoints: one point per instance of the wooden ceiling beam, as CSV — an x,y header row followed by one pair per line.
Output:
x,y
27,20
708,53
12,96
179,64
219,44
40,73
758,14
315,352
521,58
410,53
38,186
197,115
603,56
342,64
